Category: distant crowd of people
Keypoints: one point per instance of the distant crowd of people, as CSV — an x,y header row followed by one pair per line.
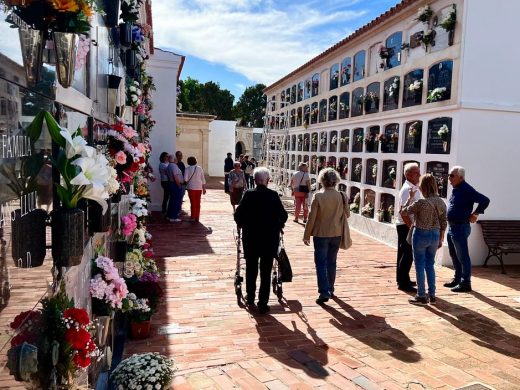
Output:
x,y
176,179
422,224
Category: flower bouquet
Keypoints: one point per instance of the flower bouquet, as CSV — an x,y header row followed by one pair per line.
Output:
x,y
334,140
60,332
144,371
385,52
415,86
393,90
107,288
444,132
449,21
436,94
368,210
415,129
428,37
424,14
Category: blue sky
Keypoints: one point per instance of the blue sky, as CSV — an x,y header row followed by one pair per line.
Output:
x,y
239,43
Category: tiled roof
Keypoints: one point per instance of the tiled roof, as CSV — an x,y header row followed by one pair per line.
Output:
x,y
362,30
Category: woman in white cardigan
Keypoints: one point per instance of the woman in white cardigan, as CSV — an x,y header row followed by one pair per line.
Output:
x,y
196,186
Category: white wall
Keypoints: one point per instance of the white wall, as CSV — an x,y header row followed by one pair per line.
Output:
x,y
163,67
221,142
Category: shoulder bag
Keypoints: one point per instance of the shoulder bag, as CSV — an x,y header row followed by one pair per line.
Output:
x,y
284,265
304,188
346,241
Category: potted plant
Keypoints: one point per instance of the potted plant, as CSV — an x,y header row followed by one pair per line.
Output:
x,y
135,372
84,174
108,291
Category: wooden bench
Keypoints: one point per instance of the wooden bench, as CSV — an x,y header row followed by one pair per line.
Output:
x,y
501,237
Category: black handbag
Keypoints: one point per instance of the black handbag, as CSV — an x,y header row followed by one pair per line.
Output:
x,y
304,188
284,266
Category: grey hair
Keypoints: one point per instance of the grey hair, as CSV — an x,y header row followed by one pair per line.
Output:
x,y
302,165
261,175
461,171
409,166
328,177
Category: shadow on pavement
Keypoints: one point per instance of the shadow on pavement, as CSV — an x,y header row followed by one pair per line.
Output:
x,y
381,336
488,332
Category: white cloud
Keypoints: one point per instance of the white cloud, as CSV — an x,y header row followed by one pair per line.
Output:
x,y
251,37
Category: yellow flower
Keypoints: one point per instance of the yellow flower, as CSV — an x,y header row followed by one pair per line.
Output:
x,y
86,9
65,5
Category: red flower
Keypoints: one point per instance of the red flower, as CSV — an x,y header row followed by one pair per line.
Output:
x,y
148,254
25,317
118,127
82,360
78,338
24,337
78,315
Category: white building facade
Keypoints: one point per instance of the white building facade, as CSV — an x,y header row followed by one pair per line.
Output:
x,y
401,89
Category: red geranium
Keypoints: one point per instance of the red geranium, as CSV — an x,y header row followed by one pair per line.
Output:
x,y
77,315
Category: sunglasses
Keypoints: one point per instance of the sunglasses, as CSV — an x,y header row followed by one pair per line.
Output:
x,y
451,175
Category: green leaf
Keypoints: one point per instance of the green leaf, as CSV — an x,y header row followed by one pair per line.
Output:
x,y
63,194
54,129
34,130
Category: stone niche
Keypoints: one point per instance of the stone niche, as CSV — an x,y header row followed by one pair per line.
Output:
x,y
357,142
412,137
342,168
355,199
439,136
371,172
357,170
344,140
389,174
334,141
440,170
385,211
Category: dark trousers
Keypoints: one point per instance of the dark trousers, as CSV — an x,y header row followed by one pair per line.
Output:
x,y
226,184
166,189
174,205
266,266
247,180
404,257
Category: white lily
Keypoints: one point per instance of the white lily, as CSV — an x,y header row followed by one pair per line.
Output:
x,y
73,146
92,173
97,196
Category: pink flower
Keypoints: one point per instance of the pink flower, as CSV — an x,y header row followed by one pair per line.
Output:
x,y
121,157
129,132
141,148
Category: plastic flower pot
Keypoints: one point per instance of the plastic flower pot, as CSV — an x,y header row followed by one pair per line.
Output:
x,y
102,328
31,45
114,81
118,251
28,233
65,45
97,221
131,59
111,8
67,236
140,329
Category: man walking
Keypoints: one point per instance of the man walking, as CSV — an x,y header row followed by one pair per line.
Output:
x,y
460,215
403,224
261,217
182,167
228,166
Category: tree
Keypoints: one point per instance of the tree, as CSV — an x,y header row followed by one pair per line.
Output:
x,y
206,98
250,108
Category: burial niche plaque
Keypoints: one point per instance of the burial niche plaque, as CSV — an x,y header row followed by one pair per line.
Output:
x,y
440,171
412,137
439,136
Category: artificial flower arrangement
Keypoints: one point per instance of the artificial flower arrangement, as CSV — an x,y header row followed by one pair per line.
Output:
x,y
371,137
374,171
415,86
344,107
335,75
133,93
144,371
392,173
382,138
60,334
427,37
84,172
71,16
394,87
107,288
128,224
449,21
424,14
357,169
334,139
368,210
444,132
137,264
345,74
323,139
332,106
343,140
436,94
315,139
385,52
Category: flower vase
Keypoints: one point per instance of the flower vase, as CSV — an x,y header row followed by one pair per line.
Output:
x,y
370,146
97,221
28,238
367,106
111,8
118,251
445,146
140,329
65,45
22,361
67,236
131,59
451,36
417,142
31,45
381,216
102,326
116,198
125,34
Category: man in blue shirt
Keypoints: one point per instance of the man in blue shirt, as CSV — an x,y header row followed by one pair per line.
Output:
x,y
460,215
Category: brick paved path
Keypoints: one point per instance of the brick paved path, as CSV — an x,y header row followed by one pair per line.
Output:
x,y
370,337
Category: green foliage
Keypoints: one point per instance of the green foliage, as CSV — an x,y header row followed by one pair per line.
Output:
x,y
206,98
250,107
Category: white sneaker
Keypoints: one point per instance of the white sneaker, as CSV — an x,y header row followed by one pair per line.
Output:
x,y
175,220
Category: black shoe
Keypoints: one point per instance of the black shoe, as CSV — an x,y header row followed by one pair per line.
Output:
x,y
304,221
333,296
264,309
418,300
408,289
432,300
250,301
453,283
322,300
462,288
413,284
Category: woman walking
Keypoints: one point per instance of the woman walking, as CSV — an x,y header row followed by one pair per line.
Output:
x,y
165,183
176,181
196,186
430,224
329,210
237,184
301,187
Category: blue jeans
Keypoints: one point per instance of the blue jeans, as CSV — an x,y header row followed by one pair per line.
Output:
x,y
325,253
174,205
424,244
459,252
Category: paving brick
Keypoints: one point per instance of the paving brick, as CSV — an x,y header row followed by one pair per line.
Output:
x,y
369,337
